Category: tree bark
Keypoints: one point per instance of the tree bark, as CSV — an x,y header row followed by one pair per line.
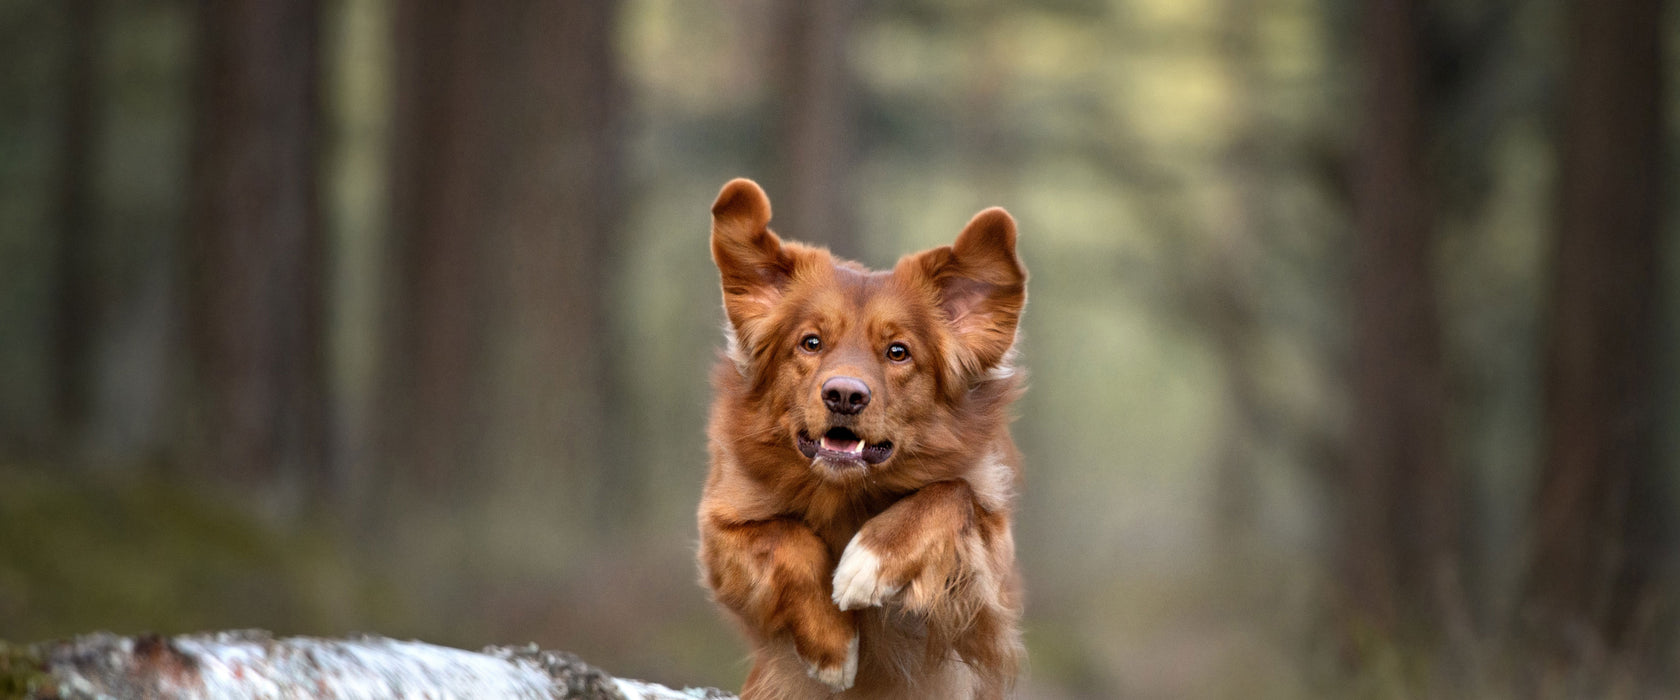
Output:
x,y
1599,524
815,116
255,243
505,202
76,297
1400,544
252,664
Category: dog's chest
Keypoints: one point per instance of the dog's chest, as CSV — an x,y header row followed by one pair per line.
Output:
x,y
837,521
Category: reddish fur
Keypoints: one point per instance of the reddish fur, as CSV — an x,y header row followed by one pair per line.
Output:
x,y
774,523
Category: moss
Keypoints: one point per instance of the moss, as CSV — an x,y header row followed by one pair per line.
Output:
x,y
21,672
80,553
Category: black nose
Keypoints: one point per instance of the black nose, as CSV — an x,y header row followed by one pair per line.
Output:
x,y
845,395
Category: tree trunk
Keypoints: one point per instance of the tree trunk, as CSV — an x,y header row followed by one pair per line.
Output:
x,y
439,178
1399,549
505,202
255,244
813,80
76,298
1599,526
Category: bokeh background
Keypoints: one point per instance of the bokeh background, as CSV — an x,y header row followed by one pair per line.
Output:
x,y
1353,328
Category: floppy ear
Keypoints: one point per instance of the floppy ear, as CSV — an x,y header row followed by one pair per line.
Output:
x,y
981,286
754,266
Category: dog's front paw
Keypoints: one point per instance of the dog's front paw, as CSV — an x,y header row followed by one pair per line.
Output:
x,y
838,675
858,579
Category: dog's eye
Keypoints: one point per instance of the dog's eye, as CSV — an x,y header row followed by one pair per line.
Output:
x,y
897,352
811,343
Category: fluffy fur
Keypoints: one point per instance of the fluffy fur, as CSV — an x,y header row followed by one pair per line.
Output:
x,y
856,519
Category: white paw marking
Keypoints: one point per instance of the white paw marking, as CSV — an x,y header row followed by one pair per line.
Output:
x,y
841,677
857,579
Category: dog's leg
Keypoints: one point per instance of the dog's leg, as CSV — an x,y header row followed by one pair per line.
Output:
x,y
925,545
774,575
951,561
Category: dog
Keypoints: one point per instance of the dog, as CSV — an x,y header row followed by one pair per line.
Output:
x,y
856,519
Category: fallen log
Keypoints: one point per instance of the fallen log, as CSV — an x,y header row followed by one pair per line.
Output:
x,y
254,664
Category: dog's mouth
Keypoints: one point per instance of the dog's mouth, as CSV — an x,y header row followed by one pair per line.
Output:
x,y
843,445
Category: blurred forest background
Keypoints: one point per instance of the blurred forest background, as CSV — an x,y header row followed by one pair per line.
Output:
x,y
1354,337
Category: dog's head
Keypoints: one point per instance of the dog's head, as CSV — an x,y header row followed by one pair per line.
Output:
x,y
860,368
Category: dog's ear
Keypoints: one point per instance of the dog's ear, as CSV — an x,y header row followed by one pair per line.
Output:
x,y
754,266
981,286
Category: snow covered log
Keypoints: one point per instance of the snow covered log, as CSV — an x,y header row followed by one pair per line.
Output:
x,y
254,664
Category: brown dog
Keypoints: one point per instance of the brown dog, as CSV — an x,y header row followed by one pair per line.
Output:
x,y
856,520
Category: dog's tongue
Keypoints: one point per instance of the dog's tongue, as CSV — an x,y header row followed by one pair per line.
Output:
x,y
840,444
